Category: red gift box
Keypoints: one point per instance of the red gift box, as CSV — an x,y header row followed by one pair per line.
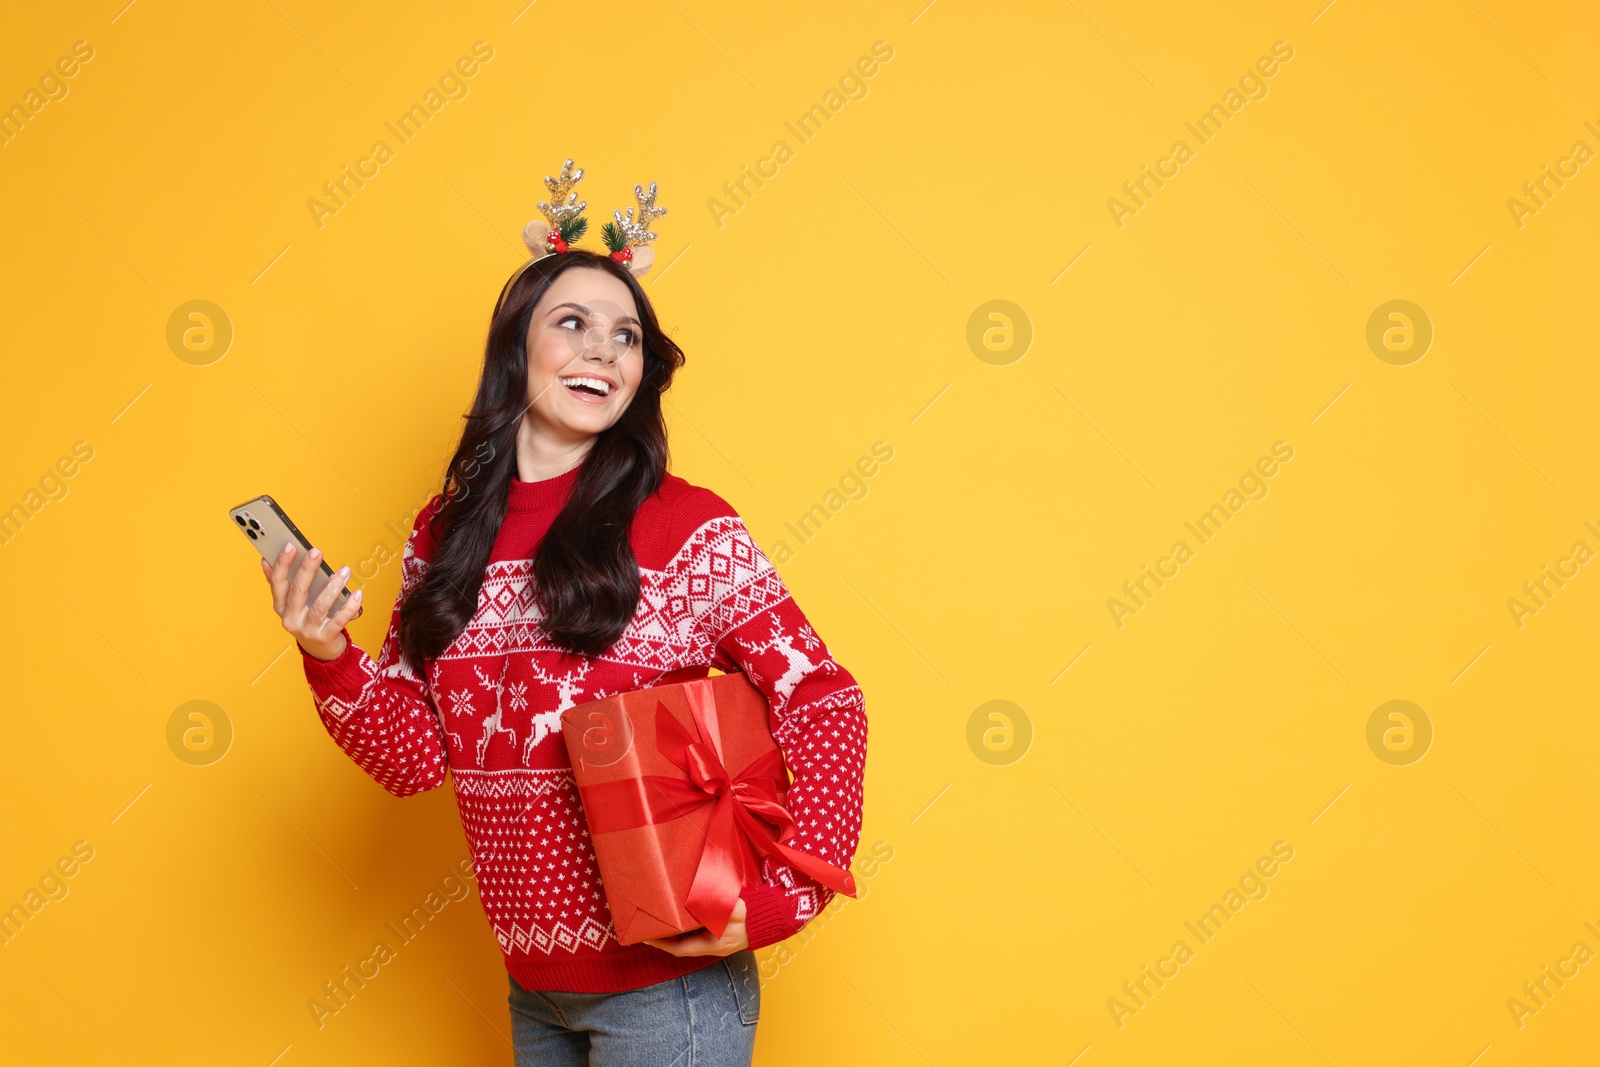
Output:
x,y
683,789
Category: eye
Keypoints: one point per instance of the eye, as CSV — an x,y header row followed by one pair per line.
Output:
x,y
628,336
563,320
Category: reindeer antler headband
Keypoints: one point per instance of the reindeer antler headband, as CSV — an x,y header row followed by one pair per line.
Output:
x,y
627,238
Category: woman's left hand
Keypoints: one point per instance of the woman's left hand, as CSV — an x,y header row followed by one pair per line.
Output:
x,y
699,942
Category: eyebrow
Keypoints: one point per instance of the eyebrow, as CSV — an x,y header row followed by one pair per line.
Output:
x,y
621,319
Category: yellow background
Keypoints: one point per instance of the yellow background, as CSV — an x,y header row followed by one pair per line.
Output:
x,y
822,316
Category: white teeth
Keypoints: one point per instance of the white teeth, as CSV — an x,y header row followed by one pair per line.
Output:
x,y
599,384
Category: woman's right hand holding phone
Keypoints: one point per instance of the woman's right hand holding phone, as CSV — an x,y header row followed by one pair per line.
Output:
x,y
317,631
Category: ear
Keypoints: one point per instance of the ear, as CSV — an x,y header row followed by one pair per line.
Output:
x,y
643,256
534,235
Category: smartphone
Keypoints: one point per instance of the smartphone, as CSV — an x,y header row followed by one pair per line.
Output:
x,y
269,529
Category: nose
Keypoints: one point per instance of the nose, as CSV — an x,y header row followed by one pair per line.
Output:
x,y
598,346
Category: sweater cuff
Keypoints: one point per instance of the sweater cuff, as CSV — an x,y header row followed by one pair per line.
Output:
x,y
342,675
769,915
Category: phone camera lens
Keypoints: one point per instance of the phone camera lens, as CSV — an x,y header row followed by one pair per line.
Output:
x,y
251,532
239,519
256,526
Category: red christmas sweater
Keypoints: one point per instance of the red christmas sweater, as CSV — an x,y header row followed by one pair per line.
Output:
x,y
489,709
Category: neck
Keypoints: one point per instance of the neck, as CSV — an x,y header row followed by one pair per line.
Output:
x,y
540,455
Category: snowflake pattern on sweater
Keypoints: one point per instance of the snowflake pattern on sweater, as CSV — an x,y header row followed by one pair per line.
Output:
x,y
489,710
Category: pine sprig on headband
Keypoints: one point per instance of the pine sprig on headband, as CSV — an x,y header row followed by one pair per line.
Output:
x,y
614,238
573,229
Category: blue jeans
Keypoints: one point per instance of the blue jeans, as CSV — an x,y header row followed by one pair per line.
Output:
x,y
706,1018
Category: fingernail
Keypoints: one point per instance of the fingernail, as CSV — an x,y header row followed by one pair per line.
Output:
x,y
315,552
356,595
288,549
344,572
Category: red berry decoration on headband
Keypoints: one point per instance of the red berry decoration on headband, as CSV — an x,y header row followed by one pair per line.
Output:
x,y
566,233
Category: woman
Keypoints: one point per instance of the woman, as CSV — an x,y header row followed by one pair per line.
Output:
x,y
561,564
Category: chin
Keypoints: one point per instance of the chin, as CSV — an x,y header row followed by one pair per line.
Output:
x,y
589,424
589,427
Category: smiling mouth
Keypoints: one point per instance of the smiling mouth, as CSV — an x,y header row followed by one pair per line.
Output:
x,y
585,386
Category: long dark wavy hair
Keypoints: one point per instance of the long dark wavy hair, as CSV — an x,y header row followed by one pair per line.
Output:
x,y
586,579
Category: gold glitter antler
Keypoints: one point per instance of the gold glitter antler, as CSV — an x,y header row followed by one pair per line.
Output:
x,y
564,222
638,233
628,237
567,204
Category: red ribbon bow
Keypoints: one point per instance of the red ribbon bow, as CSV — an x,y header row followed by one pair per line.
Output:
x,y
747,817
